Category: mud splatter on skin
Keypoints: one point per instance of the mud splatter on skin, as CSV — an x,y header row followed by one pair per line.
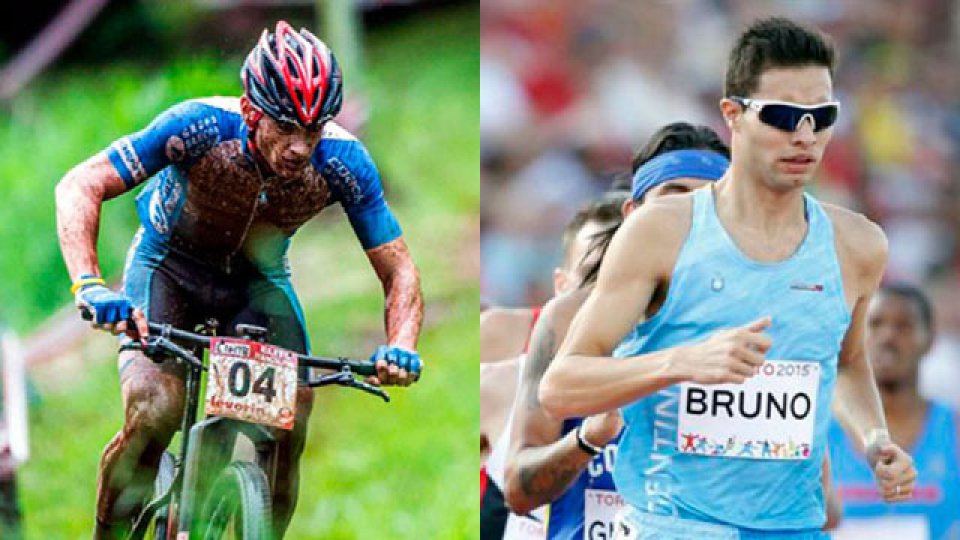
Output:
x,y
403,311
79,196
282,144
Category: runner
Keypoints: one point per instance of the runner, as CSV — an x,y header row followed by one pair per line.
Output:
x,y
764,292
568,464
899,333
498,384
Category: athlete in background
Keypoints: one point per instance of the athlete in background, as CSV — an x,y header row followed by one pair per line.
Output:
x,y
498,383
899,333
568,464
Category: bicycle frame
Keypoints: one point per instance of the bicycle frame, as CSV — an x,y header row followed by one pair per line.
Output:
x,y
206,442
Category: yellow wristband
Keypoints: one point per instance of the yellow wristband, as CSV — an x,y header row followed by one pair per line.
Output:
x,y
86,281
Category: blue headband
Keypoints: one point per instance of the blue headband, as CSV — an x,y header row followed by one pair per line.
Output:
x,y
704,164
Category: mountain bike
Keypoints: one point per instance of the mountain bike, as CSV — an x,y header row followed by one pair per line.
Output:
x,y
204,491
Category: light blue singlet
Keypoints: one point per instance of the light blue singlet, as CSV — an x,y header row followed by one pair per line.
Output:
x,y
715,286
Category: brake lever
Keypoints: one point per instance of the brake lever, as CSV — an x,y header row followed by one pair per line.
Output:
x,y
160,347
340,377
371,389
345,378
153,349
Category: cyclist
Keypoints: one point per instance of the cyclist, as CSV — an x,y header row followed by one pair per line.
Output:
x,y
237,178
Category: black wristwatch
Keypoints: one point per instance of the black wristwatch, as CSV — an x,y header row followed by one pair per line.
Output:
x,y
585,445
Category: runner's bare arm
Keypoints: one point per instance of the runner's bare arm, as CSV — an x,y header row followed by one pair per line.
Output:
x,y
79,196
863,248
503,333
541,464
584,379
403,298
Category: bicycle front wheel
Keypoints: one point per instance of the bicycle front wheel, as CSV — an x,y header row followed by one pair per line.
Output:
x,y
238,505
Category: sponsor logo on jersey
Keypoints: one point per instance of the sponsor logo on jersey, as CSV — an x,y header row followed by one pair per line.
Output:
x,y
124,148
158,218
811,287
200,136
170,192
339,175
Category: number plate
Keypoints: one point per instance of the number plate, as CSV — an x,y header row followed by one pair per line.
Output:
x,y
252,381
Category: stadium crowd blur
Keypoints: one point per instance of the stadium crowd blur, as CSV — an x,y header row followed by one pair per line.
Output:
x,y
570,89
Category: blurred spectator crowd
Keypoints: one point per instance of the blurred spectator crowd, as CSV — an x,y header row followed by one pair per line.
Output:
x,y
571,88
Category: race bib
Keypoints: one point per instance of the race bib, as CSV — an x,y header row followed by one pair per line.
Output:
x,y
523,528
891,527
600,507
252,381
770,416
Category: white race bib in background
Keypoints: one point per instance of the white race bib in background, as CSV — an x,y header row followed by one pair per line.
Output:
x,y
899,527
600,508
525,528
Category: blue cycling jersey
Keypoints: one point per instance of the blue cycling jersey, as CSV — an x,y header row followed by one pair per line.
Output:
x,y
211,201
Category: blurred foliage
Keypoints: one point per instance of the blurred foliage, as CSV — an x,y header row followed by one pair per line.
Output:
x,y
58,123
370,470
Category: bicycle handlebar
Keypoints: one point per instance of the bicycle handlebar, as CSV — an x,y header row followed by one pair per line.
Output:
x,y
360,367
162,336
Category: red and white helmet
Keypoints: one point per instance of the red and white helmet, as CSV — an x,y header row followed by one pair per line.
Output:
x,y
293,77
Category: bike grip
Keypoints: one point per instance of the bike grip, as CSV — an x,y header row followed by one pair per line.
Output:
x,y
87,315
365,369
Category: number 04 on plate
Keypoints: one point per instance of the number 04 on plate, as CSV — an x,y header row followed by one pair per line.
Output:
x,y
251,381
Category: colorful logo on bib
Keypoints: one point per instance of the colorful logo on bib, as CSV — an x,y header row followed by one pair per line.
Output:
x,y
694,443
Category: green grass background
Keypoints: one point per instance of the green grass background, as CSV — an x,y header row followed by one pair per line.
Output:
x,y
403,470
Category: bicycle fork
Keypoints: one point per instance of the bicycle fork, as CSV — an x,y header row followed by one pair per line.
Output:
x,y
209,447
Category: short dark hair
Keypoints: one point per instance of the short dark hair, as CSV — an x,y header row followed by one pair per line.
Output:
x,y
605,210
679,136
775,42
915,295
